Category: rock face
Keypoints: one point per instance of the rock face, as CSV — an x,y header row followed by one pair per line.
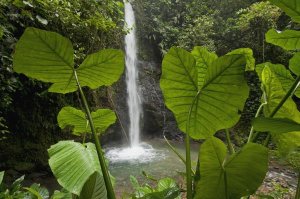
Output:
x,y
156,120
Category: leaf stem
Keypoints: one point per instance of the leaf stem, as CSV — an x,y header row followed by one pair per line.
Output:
x,y
108,184
177,153
229,143
250,138
188,167
298,187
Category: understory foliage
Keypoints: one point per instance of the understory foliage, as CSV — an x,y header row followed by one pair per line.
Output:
x,y
90,25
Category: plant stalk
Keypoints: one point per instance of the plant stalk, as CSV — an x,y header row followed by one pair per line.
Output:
x,y
250,138
108,184
188,165
298,187
189,184
229,143
177,153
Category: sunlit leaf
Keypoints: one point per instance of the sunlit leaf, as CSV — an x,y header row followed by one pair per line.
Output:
x,y
275,125
282,74
290,7
286,142
69,116
48,56
248,53
204,59
288,39
275,93
295,64
235,176
73,164
219,100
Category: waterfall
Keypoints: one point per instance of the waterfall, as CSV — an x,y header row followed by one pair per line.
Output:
x,y
137,152
133,99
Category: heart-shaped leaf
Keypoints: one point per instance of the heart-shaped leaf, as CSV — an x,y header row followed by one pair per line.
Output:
x,y
73,164
231,177
274,94
290,7
69,116
49,57
283,75
216,103
204,59
248,53
288,39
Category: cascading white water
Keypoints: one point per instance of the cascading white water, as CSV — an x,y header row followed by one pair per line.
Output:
x,y
133,100
137,152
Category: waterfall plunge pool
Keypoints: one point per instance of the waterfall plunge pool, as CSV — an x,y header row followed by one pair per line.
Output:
x,y
154,157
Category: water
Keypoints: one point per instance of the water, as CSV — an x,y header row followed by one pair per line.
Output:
x,y
133,100
158,161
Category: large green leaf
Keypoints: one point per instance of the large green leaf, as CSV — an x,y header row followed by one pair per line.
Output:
x,y
274,94
237,176
101,69
295,64
204,59
216,104
275,125
69,116
286,142
248,53
282,74
48,56
290,7
73,164
288,39
94,188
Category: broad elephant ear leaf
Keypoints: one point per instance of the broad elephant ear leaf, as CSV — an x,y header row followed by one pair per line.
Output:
x,y
101,69
69,116
49,57
275,125
216,104
286,142
274,94
248,53
282,74
94,188
204,59
290,7
288,39
73,164
230,177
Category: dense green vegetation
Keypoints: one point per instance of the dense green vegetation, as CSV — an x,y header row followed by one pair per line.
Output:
x,y
206,87
91,26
